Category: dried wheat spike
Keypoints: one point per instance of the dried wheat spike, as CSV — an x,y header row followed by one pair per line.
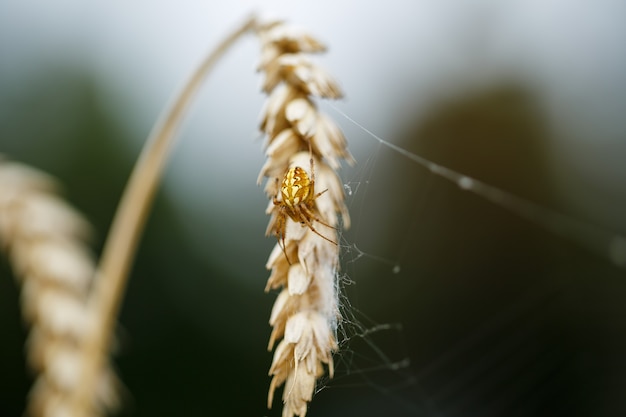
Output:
x,y
305,260
44,239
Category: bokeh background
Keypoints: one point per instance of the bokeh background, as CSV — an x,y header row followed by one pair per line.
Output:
x,y
454,306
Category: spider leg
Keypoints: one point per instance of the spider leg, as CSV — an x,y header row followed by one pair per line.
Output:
x,y
312,166
279,230
313,179
319,194
311,159
284,249
309,213
305,213
275,200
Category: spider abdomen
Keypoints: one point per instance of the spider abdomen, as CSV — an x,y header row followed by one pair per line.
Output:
x,y
297,188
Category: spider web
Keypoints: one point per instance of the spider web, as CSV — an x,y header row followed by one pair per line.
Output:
x,y
500,357
605,243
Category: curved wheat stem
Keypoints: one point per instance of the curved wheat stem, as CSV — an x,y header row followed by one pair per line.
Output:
x,y
305,314
128,223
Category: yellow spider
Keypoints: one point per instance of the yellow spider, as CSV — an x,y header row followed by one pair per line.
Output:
x,y
298,202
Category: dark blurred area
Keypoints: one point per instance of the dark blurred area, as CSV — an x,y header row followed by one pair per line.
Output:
x,y
500,317
488,315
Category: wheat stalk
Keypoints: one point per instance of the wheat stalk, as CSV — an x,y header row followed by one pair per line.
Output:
x,y
129,220
45,240
304,264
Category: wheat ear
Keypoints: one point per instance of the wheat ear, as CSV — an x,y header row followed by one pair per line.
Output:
x,y
45,240
305,260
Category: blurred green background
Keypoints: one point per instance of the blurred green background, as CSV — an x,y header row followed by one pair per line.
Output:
x,y
488,314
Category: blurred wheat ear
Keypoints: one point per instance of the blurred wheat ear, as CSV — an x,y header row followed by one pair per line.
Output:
x,y
45,241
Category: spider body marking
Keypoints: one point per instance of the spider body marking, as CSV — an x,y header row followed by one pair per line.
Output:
x,y
298,202
296,188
